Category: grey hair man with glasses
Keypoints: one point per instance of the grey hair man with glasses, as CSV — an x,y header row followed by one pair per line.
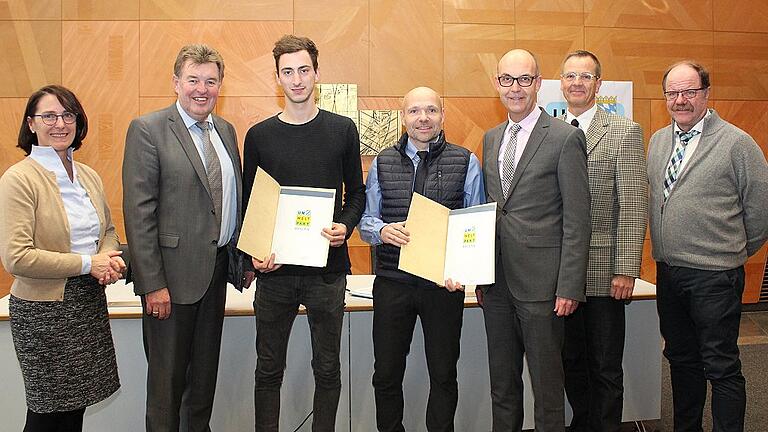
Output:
x,y
535,169
618,184
708,206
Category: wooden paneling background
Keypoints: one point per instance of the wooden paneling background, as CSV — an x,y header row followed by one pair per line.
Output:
x,y
117,55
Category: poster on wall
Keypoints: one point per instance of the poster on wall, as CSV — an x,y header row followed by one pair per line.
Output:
x,y
614,97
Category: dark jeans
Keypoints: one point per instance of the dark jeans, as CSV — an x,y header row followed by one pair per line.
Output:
x,y
395,308
64,421
699,314
276,304
592,355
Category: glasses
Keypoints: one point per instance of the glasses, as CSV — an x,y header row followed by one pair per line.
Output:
x,y
687,94
50,119
585,76
522,80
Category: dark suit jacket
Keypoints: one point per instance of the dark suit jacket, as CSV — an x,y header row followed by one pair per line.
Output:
x,y
618,184
543,228
169,220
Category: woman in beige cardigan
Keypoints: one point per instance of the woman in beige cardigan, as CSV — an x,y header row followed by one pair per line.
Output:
x,y
58,242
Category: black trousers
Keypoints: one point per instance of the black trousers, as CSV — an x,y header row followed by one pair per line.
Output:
x,y
592,356
183,358
699,314
64,421
395,308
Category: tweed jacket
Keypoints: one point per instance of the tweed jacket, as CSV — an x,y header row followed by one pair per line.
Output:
x,y
34,230
618,185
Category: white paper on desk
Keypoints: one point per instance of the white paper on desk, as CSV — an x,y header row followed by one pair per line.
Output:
x,y
470,245
302,213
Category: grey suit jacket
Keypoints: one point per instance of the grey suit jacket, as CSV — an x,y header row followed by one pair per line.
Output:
x,y
169,215
543,228
618,185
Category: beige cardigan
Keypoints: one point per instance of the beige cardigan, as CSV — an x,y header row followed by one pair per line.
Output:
x,y
34,230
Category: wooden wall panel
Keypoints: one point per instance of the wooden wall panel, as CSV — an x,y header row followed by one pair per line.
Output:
x,y
472,52
642,56
741,15
406,46
216,10
149,104
550,44
479,11
750,116
668,14
10,122
31,56
244,112
741,66
107,85
245,46
641,113
467,120
553,13
100,9
30,10
340,30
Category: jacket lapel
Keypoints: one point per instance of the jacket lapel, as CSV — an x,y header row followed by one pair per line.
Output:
x,y
182,134
491,162
597,129
538,134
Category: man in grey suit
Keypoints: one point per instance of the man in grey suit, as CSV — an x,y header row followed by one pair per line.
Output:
x,y
535,168
181,201
708,207
618,184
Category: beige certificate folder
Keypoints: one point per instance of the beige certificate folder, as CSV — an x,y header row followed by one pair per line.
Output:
x,y
456,244
287,221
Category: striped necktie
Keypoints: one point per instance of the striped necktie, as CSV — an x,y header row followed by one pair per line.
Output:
x,y
212,169
509,160
673,169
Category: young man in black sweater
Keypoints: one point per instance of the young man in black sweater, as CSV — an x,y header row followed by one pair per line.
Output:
x,y
303,146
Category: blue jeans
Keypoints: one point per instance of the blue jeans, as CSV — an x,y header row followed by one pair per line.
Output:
x,y
276,304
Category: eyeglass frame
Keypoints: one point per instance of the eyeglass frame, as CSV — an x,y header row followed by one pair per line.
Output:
x,y
586,76
56,117
668,95
517,78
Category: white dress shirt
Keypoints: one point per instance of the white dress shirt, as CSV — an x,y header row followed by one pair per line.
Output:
x,y
692,144
585,119
83,220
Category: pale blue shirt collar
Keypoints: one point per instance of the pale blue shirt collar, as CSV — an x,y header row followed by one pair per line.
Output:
x,y
50,160
411,149
188,120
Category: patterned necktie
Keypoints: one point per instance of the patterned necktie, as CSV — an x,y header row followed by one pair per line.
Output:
x,y
212,169
509,160
421,172
673,169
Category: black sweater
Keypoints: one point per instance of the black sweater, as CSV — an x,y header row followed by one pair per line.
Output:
x,y
322,153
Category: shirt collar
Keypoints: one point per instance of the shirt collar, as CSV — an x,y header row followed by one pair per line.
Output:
x,y
529,121
697,127
411,149
585,119
189,121
50,160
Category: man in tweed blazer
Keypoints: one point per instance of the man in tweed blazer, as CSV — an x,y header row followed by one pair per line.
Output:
x,y
618,183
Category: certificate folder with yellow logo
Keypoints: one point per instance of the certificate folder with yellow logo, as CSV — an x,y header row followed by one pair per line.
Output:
x,y
287,221
450,244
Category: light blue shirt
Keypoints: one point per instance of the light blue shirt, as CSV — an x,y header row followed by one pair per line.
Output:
x,y
371,223
84,225
228,185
